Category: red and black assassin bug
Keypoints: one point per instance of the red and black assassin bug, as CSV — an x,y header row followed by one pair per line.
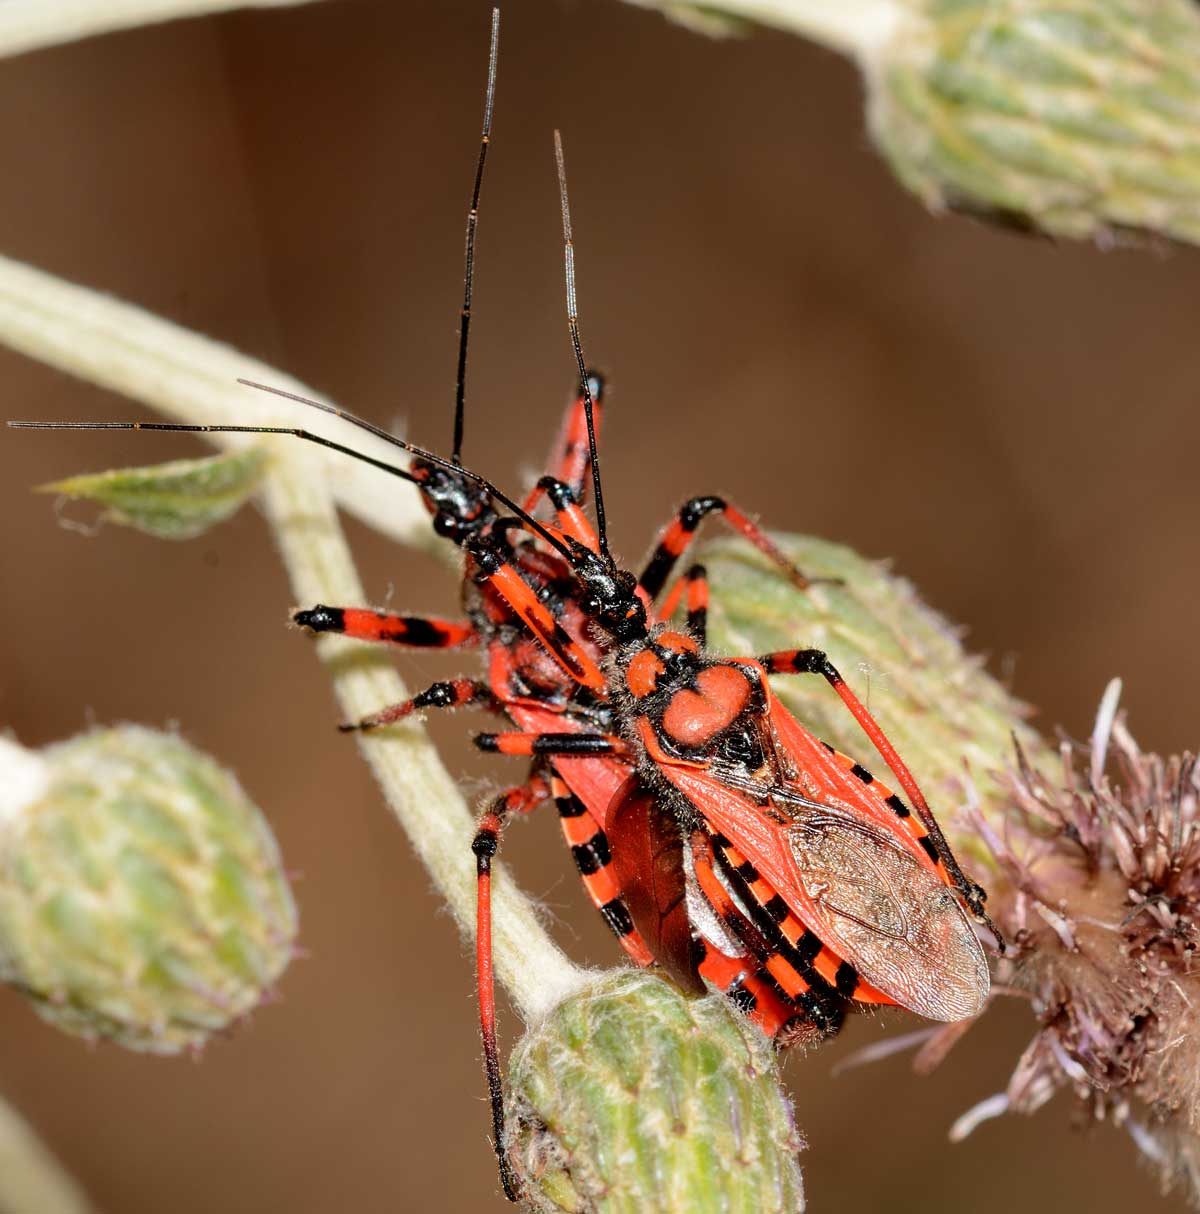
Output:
x,y
533,683
745,851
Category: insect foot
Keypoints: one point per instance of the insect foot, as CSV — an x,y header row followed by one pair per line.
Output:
x,y
142,895
630,1096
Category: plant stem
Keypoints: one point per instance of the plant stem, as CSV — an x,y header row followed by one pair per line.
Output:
x,y
852,27
32,1181
190,377
26,25
193,378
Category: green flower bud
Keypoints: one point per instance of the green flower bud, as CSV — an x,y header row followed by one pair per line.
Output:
x,y
174,501
142,897
631,1098
1078,117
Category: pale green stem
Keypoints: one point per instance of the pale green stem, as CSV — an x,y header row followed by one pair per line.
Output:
x,y
192,378
32,1181
419,790
27,25
853,27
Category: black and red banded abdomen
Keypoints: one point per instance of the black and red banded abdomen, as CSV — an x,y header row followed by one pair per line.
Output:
x,y
647,853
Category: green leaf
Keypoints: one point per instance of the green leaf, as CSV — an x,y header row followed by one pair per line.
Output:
x,y
174,501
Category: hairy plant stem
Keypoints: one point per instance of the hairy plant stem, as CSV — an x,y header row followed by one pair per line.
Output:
x,y
27,25
852,27
32,1181
192,378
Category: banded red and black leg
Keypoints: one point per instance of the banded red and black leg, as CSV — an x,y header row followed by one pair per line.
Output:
x,y
519,799
453,693
570,457
795,949
568,515
566,745
693,584
815,661
785,969
494,569
592,854
677,536
362,624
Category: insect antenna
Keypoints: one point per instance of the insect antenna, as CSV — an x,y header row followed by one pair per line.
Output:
x,y
464,328
353,418
573,325
307,435
190,428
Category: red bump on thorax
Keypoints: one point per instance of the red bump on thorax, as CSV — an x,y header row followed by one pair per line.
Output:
x,y
677,642
693,717
642,675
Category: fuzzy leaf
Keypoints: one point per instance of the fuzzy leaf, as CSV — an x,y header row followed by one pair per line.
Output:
x,y
174,501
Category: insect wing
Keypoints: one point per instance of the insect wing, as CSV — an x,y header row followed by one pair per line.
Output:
x,y
869,898
822,772
648,855
897,923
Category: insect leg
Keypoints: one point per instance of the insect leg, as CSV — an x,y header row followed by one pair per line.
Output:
x,y
746,987
507,582
569,516
414,631
457,693
677,536
694,584
794,948
774,990
520,799
787,970
570,460
576,745
814,661
590,849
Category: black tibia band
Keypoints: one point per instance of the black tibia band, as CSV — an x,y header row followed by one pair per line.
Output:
x,y
570,806
592,856
484,846
321,619
663,559
548,744
617,917
801,661
414,631
450,695
573,744
560,494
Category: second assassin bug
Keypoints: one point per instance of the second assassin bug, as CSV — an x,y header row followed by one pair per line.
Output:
x,y
718,837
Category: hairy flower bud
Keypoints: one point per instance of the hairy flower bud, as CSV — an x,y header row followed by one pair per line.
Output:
x,y
631,1098
1075,117
142,897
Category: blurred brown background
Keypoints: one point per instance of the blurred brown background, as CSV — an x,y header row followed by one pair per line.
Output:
x,y
1013,423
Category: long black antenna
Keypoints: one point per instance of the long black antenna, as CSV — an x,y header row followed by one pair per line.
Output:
x,y
573,325
307,435
189,428
472,221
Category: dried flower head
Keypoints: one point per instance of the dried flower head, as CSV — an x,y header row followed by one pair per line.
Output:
x,y
1102,903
